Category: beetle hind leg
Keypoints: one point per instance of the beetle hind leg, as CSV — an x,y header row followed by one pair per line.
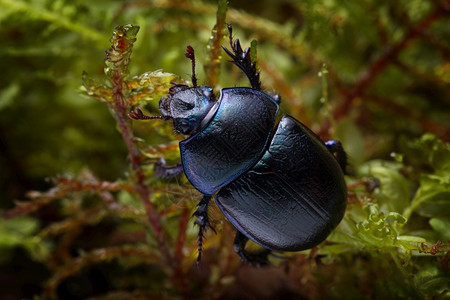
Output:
x,y
258,258
202,220
335,147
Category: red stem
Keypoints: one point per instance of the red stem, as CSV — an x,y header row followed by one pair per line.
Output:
x,y
141,188
173,261
387,57
182,231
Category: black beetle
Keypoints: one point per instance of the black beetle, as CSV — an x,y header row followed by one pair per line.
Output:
x,y
280,186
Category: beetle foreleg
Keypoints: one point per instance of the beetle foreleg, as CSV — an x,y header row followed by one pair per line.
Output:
x,y
335,147
243,60
258,259
202,221
161,169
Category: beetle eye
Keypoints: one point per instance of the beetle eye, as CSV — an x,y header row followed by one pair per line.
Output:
x,y
185,106
184,126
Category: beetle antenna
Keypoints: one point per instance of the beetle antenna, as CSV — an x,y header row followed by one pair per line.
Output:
x,y
190,54
139,115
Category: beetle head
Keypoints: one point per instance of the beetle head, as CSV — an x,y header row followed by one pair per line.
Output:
x,y
187,106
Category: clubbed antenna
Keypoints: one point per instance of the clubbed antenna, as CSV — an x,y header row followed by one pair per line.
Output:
x,y
139,115
190,54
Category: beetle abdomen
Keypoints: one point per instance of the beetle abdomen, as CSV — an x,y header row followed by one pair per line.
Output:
x,y
232,142
293,197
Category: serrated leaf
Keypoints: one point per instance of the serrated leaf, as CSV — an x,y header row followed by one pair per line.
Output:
x,y
150,86
118,56
93,88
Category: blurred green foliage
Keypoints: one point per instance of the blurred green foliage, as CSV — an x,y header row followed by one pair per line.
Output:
x,y
103,229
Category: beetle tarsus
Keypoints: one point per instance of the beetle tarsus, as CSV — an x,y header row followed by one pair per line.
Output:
x,y
202,220
335,147
200,246
242,59
257,258
161,169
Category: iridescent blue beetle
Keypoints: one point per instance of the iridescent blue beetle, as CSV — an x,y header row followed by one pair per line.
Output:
x,y
280,185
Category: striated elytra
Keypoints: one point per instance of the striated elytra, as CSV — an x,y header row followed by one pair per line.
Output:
x,y
279,184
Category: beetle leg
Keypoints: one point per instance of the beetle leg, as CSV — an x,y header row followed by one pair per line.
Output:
x,y
275,97
335,147
257,259
242,59
202,221
161,169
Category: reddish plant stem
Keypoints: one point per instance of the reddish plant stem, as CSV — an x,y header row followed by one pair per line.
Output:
x,y
39,200
182,231
92,184
412,114
135,159
141,188
179,274
389,55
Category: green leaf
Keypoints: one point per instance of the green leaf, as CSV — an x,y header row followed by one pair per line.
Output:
x,y
409,242
20,226
440,153
433,197
18,232
430,149
118,56
442,226
394,187
432,281
8,95
150,86
352,139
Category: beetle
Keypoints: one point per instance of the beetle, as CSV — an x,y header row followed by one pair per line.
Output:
x,y
279,185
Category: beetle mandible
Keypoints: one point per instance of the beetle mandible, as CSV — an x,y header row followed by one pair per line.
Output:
x,y
279,184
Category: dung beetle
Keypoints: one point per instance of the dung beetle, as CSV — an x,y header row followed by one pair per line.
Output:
x,y
279,184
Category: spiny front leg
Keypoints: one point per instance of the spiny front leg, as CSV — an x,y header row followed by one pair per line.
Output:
x,y
202,220
242,59
335,147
